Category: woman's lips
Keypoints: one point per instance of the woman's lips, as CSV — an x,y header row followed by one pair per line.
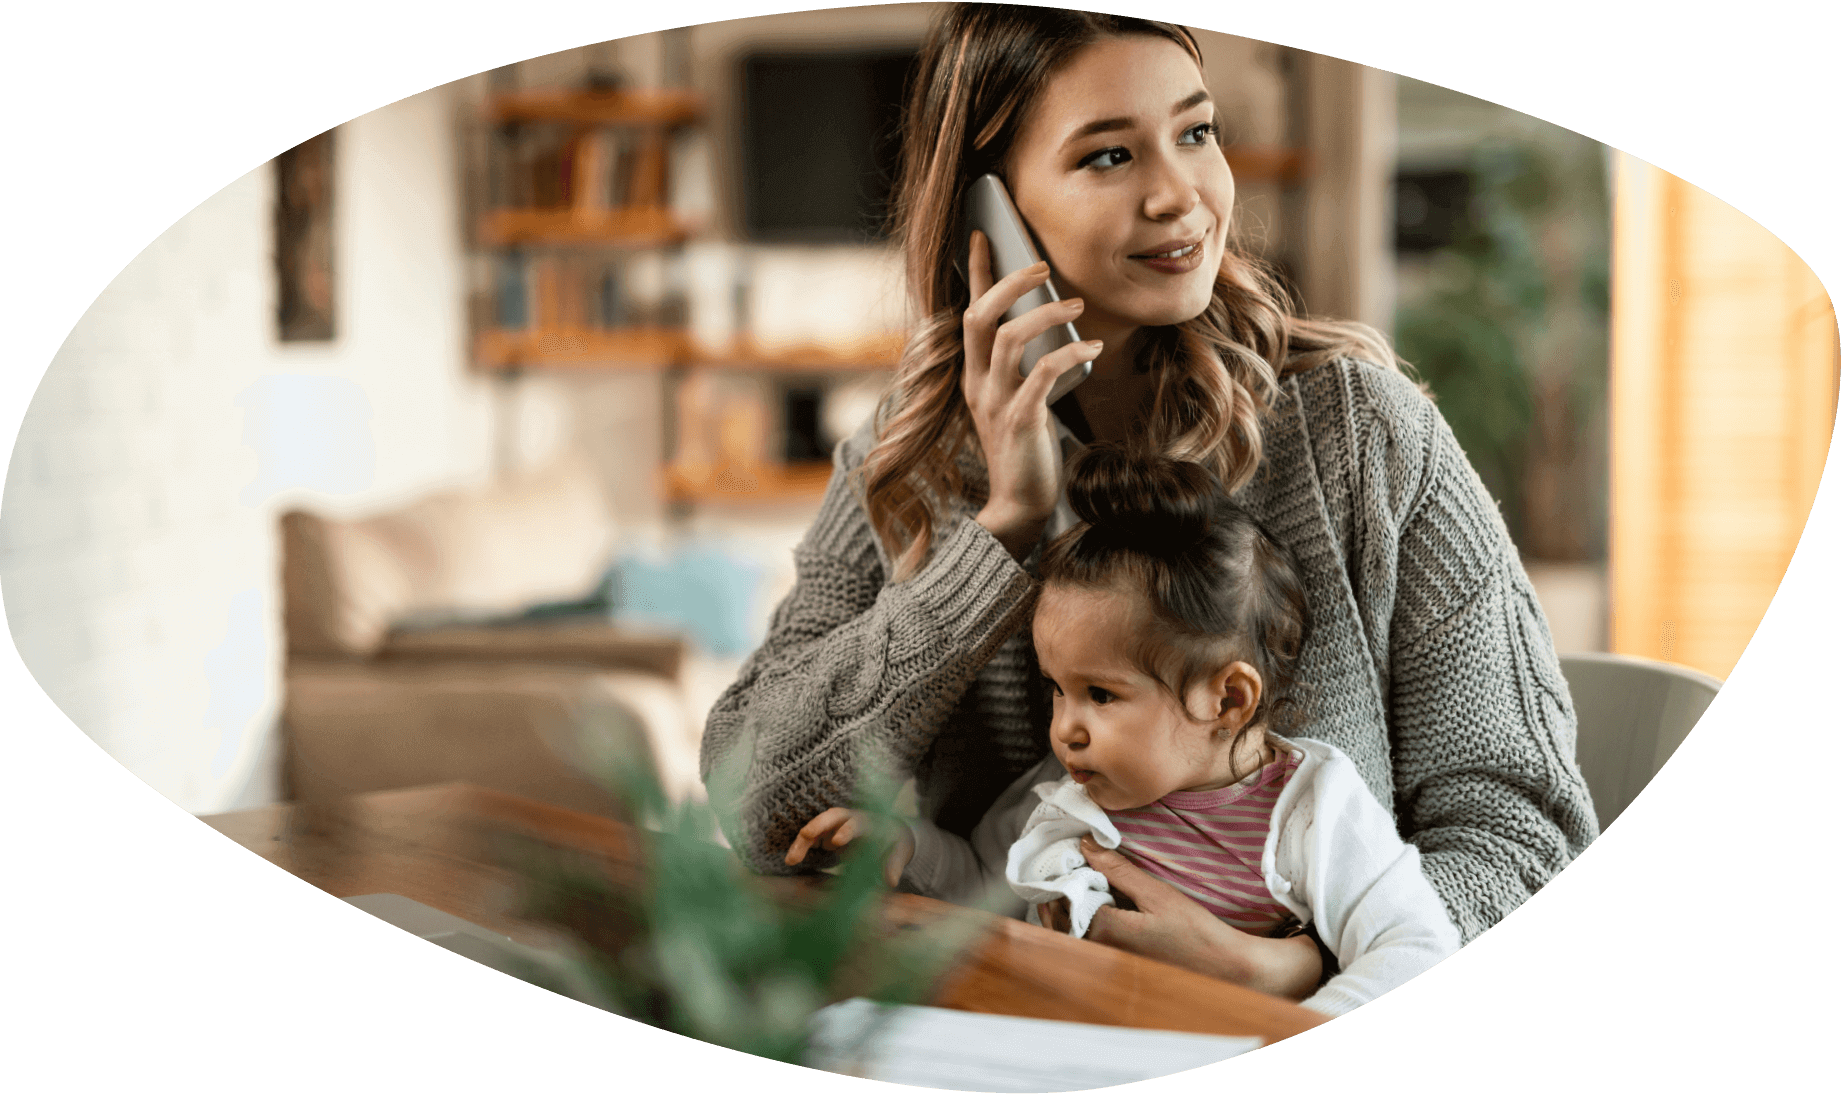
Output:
x,y
1178,258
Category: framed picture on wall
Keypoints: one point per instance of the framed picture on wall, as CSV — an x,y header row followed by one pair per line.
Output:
x,y
304,241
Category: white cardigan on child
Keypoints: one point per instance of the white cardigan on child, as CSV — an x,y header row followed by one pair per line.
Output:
x,y
1332,857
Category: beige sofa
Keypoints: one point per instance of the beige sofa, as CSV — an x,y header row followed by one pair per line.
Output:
x,y
393,680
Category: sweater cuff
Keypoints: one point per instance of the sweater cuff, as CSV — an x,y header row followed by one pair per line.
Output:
x,y
1332,1002
971,586
922,874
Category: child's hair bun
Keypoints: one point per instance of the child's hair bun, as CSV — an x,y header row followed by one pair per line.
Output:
x,y
1142,501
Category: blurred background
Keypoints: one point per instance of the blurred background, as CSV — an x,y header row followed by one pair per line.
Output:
x,y
505,404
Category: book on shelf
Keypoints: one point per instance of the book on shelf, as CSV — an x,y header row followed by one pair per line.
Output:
x,y
567,155
621,161
610,302
542,290
588,169
547,185
511,292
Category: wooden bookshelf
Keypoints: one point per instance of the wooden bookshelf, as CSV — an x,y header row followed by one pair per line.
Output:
x,y
1255,163
576,196
762,483
628,227
562,348
876,352
661,347
592,106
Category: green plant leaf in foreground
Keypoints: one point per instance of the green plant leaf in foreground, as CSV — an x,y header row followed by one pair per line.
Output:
x,y
696,944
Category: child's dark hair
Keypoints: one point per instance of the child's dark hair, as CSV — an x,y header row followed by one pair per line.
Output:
x,y
1220,589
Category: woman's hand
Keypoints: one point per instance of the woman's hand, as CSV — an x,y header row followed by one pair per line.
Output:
x,y
837,826
1170,927
1009,411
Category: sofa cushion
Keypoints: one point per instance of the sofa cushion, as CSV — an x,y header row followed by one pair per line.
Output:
x,y
561,643
456,555
548,732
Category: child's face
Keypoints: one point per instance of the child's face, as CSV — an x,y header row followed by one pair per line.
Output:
x,y
1116,729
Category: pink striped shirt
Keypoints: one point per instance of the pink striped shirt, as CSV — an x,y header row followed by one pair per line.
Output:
x,y
1208,844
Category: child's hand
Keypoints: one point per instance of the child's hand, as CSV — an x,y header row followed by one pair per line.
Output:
x,y
838,826
1054,915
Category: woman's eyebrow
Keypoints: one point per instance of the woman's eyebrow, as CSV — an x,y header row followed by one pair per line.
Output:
x,y
1108,125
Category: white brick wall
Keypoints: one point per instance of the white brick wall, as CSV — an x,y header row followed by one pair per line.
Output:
x,y
137,547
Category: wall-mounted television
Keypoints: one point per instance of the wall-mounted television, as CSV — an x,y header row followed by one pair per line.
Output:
x,y
819,143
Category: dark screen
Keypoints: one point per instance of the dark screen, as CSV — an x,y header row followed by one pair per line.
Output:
x,y
819,143
1432,209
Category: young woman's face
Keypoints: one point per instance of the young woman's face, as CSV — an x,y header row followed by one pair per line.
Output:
x,y
1118,172
1116,730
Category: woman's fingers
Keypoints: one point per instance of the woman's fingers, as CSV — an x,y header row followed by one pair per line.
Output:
x,y
835,827
992,296
1011,338
1022,457
976,333
984,317
796,854
986,312
1146,891
1051,366
1101,928
978,265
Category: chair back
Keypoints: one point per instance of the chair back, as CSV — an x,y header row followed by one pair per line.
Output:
x,y
1632,714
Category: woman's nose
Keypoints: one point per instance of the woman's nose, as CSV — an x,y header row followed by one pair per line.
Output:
x,y
1172,193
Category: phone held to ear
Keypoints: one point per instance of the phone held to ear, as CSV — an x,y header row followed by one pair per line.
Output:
x,y
990,210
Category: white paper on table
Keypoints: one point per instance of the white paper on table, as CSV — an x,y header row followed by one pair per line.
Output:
x,y
917,1046
957,1050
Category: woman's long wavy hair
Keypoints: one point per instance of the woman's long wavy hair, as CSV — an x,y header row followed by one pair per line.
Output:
x,y
1216,375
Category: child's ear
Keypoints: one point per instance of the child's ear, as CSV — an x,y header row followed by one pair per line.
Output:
x,y
1235,692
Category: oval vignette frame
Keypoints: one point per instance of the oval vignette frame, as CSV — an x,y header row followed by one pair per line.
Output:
x,y
174,866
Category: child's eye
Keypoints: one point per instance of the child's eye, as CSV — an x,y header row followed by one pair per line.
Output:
x,y
1100,696
1054,687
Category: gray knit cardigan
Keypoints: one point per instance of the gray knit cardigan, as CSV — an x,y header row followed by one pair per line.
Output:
x,y
1429,662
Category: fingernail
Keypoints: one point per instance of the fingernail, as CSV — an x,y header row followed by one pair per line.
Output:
x,y
1075,304
1041,267
1096,344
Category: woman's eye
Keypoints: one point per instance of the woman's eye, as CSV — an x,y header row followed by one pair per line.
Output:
x,y
1201,133
1100,696
1106,157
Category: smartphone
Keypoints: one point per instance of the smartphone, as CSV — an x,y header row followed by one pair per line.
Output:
x,y
990,210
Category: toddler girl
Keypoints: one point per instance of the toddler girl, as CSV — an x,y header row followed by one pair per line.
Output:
x,y
1169,628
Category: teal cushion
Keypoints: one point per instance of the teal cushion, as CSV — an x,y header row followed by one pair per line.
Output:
x,y
700,590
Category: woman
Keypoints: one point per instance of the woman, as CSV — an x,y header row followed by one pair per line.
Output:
x,y
901,646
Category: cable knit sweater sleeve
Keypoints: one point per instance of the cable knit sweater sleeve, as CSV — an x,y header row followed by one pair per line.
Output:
x,y
854,671
1481,723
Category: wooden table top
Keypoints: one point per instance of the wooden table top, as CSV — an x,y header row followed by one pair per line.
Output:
x,y
434,845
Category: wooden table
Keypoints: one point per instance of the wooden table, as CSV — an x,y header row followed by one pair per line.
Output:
x,y
434,845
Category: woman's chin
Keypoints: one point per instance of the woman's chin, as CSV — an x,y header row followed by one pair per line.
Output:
x,y
1174,308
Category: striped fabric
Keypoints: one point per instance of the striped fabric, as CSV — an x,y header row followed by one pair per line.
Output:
x,y
1208,844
